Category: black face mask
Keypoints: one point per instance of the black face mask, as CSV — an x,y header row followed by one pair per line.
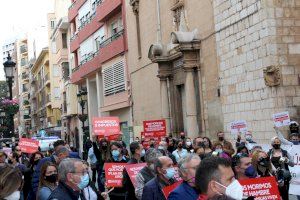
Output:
x,y
104,147
276,146
10,162
264,162
182,137
36,162
221,138
180,146
52,178
202,156
152,145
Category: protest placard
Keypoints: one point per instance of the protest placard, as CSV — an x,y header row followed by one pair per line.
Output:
x,y
133,170
114,174
264,188
167,190
238,126
158,126
281,119
28,145
106,126
294,152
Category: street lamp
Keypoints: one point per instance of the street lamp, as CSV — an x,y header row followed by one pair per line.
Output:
x,y
82,99
9,67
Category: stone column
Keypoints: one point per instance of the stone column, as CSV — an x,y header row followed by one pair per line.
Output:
x,y
191,108
165,101
100,94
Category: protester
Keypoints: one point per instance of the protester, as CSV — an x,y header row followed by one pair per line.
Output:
x,y
187,170
261,163
281,161
162,147
180,152
294,138
200,151
90,191
248,139
243,167
137,152
214,177
227,146
23,158
93,162
73,178
219,151
208,146
10,182
171,145
48,181
197,141
148,172
165,176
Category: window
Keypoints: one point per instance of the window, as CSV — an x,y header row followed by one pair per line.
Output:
x,y
64,40
53,47
116,26
55,70
114,78
56,93
52,24
65,70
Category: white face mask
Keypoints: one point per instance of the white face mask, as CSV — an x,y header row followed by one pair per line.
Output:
x,y
234,190
188,143
13,196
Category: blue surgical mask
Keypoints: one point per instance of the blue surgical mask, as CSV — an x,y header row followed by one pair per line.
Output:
x,y
143,153
84,181
295,142
115,154
250,172
170,173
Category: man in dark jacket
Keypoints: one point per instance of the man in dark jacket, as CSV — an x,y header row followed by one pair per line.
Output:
x,y
165,174
137,151
71,173
187,170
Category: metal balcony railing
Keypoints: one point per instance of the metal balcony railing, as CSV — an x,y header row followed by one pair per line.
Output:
x,y
23,49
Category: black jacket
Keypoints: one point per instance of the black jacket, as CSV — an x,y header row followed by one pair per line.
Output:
x,y
130,192
64,192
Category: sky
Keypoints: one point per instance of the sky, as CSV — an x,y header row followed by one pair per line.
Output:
x,y
18,17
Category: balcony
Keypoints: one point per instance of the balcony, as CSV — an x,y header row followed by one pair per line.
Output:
x,y
108,9
73,9
108,49
25,76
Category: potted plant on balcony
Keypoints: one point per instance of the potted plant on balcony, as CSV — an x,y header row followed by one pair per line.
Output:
x,y
9,106
26,102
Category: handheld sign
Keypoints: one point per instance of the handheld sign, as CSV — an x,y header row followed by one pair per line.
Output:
x,y
28,145
264,188
106,126
133,170
238,126
114,174
281,119
167,190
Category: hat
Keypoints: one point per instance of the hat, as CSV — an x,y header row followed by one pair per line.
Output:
x,y
293,122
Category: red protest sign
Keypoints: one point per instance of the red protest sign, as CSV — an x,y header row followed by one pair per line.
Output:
x,y
114,174
264,188
158,126
106,126
110,137
133,170
28,145
167,190
146,139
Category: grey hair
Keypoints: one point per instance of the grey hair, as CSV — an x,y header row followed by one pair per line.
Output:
x,y
62,150
151,155
182,162
273,140
66,166
157,163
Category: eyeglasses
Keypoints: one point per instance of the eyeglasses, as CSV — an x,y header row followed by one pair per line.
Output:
x,y
82,173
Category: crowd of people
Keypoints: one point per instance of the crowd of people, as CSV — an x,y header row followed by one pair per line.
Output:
x,y
209,169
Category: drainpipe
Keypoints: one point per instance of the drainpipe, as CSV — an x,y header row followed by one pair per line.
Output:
x,y
158,22
169,105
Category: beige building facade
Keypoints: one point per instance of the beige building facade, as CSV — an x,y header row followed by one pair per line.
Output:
x,y
203,64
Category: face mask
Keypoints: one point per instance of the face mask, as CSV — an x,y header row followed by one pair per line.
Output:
x,y
248,138
188,143
160,148
234,190
264,162
182,137
295,142
276,146
170,173
179,146
52,178
115,154
143,153
202,156
84,181
36,162
219,151
206,144
221,138
152,145
14,196
250,172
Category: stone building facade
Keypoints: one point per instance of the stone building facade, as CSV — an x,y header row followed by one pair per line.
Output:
x,y
203,64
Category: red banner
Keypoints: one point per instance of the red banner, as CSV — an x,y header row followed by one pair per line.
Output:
x,y
28,145
133,170
265,188
155,126
167,190
114,174
146,139
106,126
110,137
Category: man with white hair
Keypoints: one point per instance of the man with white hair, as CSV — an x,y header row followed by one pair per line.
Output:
x,y
187,170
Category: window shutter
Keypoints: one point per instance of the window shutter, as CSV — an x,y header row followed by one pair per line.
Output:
x,y
114,78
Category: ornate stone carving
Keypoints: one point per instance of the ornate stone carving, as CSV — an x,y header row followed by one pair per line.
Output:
x,y
135,6
272,76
